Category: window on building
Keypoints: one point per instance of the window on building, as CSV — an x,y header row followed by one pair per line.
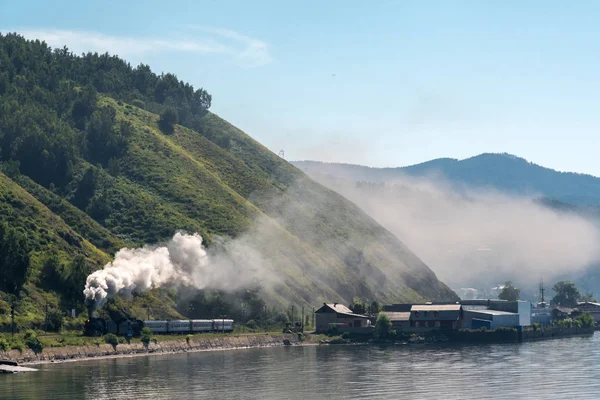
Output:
x,y
425,314
416,324
437,324
416,313
426,324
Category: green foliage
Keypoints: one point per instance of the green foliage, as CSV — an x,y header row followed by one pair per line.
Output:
x,y
375,307
586,319
4,345
567,294
167,121
536,326
357,306
252,324
383,326
14,253
146,336
55,320
32,341
509,292
588,297
346,335
565,323
111,339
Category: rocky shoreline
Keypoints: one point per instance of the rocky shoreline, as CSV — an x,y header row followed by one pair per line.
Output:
x,y
103,351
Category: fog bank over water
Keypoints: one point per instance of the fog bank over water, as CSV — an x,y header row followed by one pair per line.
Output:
x,y
473,237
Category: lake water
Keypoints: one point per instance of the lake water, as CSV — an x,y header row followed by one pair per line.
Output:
x,y
556,369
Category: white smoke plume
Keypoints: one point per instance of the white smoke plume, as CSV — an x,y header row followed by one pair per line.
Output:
x,y
181,261
474,236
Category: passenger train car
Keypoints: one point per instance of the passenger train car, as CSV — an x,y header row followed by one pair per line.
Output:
x,y
99,327
190,326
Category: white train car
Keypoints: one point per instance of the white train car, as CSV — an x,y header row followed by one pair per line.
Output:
x,y
180,326
202,325
183,326
220,325
157,326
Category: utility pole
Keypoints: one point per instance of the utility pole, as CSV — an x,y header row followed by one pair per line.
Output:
x,y
46,322
243,315
12,318
302,321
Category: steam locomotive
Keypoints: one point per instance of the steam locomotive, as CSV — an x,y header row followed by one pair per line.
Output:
x,y
99,326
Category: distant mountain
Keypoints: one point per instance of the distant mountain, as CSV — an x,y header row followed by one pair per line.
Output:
x,y
504,172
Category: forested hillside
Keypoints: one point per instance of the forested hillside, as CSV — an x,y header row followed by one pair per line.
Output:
x,y
97,155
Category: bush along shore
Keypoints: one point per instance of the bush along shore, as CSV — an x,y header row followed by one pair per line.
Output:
x,y
111,348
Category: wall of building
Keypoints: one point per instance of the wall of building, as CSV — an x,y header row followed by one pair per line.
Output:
x,y
323,320
542,316
495,320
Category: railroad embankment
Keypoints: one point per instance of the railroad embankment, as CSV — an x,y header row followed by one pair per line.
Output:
x,y
71,353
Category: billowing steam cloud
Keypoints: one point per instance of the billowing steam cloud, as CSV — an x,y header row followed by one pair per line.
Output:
x,y
477,237
139,270
181,261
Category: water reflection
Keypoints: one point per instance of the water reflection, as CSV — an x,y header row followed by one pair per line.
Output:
x,y
554,369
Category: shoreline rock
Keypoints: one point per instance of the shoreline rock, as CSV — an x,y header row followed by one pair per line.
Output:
x,y
103,351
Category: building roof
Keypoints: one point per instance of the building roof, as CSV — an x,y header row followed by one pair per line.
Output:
x,y
339,309
398,316
587,303
492,312
436,307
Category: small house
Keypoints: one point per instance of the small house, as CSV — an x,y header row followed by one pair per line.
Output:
x,y
339,316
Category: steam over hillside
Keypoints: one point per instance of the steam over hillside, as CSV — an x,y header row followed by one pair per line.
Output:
x,y
473,236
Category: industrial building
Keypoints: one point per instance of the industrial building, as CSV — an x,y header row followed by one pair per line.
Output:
x,y
340,317
508,313
424,317
436,316
490,319
590,307
472,314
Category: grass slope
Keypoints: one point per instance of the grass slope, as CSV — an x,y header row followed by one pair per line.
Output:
x,y
315,244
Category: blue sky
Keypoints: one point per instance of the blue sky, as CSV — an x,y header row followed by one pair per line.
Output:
x,y
381,83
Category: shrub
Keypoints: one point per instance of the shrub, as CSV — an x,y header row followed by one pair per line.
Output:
x,y
146,336
55,320
32,341
167,121
383,326
586,320
536,326
252,324
138,103
4,345
505,329
17,344
346,335
111,338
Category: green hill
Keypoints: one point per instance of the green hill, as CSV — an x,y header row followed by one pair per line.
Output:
x,y
96,162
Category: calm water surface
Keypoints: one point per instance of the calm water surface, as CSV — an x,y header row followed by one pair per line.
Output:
x,y
558,369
